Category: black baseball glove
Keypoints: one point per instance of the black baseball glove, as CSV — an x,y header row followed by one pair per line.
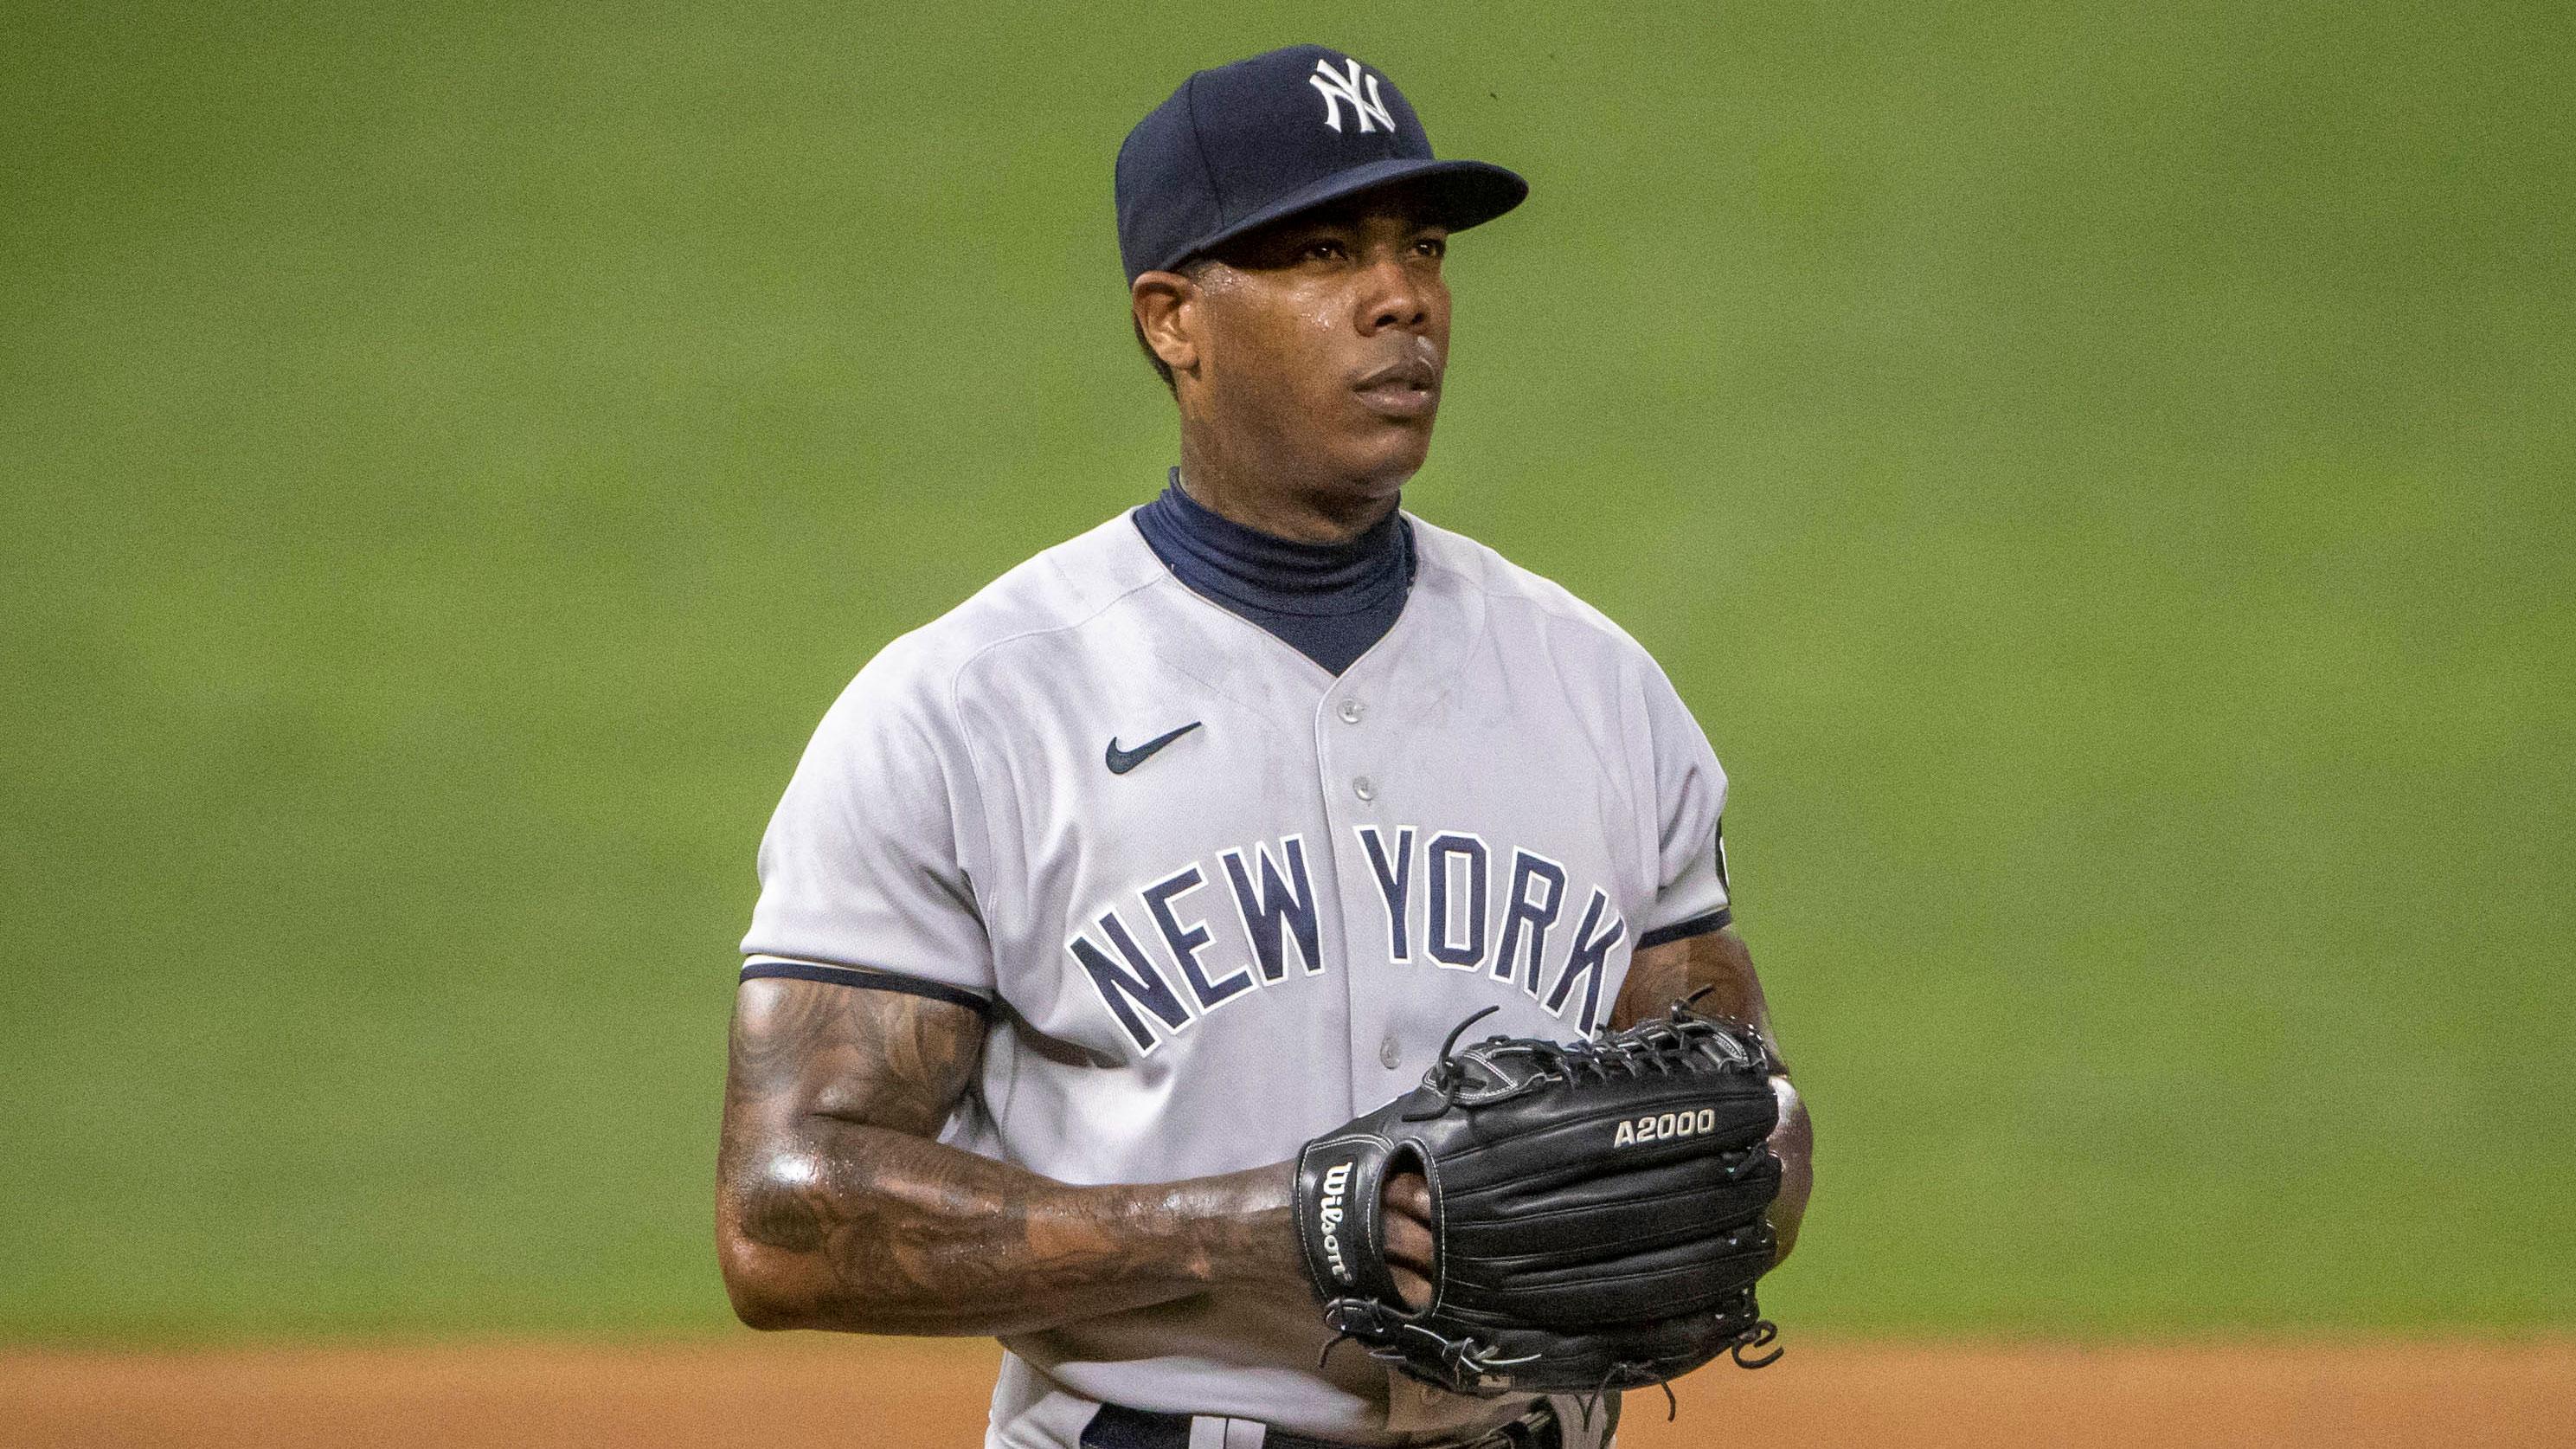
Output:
x,y
1597,1208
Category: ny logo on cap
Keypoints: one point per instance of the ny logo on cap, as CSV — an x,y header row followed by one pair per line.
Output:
x,y
1338,88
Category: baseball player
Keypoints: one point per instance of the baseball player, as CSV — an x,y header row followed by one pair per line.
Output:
x,y
1191,837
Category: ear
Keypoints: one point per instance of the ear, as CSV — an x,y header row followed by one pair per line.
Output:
x,y
1166,305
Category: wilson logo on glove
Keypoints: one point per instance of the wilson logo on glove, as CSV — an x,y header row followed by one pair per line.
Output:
x,y
1328,1218
1664,1126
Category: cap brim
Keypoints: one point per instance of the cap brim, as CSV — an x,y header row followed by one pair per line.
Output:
x,y
1461,194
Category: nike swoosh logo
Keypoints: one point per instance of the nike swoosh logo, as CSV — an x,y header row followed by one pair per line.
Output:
x,y
1121,761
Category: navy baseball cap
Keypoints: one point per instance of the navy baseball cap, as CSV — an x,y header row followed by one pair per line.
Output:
x,y
1243,145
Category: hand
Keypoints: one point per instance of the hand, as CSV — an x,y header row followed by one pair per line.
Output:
x,y
1408,1237
1794,1143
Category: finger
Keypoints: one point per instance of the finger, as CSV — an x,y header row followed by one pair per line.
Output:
x,y
1415,1289
1408,1243
1411,1196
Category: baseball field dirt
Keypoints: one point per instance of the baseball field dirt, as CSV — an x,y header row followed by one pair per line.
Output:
x,y
797,1392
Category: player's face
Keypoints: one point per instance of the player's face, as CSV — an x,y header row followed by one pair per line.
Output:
x,y
1323,342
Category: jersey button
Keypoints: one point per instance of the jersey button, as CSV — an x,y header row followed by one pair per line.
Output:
x,y
1362,788
1388,1053
1352,709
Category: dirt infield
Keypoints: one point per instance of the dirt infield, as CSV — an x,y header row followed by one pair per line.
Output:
x,y
798,1391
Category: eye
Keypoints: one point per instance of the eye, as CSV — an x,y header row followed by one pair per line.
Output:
x,y
1434,247
1323,249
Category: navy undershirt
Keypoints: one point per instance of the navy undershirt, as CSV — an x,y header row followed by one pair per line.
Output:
x,y
1327,601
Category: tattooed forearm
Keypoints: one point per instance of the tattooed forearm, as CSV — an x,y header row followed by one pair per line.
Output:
x,y
836,1210
775,1212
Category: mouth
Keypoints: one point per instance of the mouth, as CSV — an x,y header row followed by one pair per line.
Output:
x,y
1406,388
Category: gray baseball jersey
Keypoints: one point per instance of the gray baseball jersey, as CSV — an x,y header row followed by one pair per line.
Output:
x,y
1218,901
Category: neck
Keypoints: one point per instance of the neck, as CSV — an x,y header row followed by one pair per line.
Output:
x,y
1278,501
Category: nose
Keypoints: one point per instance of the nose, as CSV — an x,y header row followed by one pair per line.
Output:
x,y
1394,297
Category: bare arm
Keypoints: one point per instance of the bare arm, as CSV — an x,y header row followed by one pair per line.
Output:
x,y
1660,975
835,1208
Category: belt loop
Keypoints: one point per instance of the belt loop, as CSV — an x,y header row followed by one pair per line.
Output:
x,y
1210,1432
1576,1428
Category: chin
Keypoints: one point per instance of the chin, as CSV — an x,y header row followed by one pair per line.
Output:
x,y
1382,464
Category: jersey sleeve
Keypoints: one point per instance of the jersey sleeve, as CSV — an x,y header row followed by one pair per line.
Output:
x,y
863,874
1690,801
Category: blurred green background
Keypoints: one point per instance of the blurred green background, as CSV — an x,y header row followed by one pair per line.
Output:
x,y
2104,476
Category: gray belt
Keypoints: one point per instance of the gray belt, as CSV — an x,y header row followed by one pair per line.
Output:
x,y
1119,1427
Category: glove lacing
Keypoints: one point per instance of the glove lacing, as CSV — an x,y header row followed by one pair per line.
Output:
x,y
1466,1359
1679,1042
